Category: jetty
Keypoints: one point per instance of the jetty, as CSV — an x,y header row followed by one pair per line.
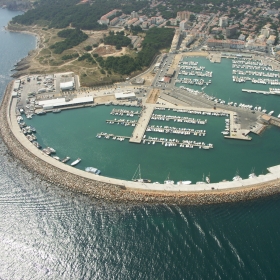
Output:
x,y
260,91
142,124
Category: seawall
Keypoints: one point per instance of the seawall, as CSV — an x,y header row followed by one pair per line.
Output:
x,y
118,192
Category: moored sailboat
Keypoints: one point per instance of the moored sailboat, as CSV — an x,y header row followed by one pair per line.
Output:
x,y
137,176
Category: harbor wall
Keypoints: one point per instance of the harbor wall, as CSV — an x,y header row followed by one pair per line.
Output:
x,y
120,190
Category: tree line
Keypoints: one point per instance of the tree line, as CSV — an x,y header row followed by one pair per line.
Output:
x,y
118,40
63,13
73,37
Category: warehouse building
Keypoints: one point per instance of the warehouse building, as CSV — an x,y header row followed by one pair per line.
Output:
x,y
68,85
61,102
125,96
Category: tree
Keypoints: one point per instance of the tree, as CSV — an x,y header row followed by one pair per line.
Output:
x,y
192,17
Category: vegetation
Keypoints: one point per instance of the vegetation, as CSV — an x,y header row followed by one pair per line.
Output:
x,y
156,39
123,65
118,39
87,57
69,56
88,48
73,37
63,13
135,29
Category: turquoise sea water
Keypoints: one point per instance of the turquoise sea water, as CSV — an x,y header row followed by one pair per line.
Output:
x,y
49,233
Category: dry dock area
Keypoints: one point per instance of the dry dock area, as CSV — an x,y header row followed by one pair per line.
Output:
x,y
142,124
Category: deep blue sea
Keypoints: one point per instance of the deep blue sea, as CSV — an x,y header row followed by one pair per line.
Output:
x,y
49,233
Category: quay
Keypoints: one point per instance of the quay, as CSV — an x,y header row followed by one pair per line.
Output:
x,y
163,141
236,132
267,119
121,112
142,124
215,58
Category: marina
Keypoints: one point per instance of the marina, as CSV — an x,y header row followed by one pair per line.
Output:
x,y
56,218
194,127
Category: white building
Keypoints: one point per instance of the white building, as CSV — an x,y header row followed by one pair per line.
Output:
x,y
183,24
173,21
16,85
61,102
265,31
125,95
134,14
223,21
67,85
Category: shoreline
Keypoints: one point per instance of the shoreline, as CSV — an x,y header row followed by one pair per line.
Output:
x,y
37,36
27,60
118,192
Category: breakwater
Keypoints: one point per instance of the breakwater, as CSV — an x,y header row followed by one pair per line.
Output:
x,y
115,192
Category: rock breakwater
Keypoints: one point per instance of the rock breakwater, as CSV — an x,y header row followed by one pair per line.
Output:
x,y
118,193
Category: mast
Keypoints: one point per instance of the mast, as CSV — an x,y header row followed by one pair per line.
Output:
x,y
167,179
137,172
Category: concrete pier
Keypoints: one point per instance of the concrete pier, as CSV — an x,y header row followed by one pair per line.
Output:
x,y
142,124
236,132
215,58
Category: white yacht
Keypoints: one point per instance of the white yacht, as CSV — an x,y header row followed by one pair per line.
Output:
x,y
252,175
169,182
93,170
75,162
236,178
184,182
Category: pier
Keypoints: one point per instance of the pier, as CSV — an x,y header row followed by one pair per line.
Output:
x,y
142,124
121,112
235,130
122,121
215,58
259,91
163,141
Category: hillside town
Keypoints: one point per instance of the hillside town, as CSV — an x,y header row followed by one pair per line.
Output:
x,y
249,27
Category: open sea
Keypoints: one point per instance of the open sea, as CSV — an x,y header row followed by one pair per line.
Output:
x,y
49,233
